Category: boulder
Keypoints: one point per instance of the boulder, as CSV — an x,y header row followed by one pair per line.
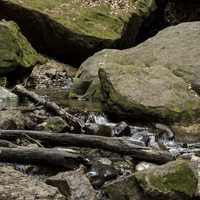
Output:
x,y
73,184
74,30
176,180
124,188
15,185
15,51
151,81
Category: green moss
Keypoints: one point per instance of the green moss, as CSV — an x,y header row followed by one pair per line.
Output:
x,y
98,20
15,50
54,124
175,177
27,55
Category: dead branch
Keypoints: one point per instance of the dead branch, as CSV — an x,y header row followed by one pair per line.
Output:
x,y
73,122
40,156
114,144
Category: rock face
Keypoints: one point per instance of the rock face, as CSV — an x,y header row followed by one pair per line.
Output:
x,y
15,50
75,29
17,186
175,180
152,80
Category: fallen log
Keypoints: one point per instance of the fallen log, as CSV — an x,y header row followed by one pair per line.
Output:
x,y
40,156
73,122
113,144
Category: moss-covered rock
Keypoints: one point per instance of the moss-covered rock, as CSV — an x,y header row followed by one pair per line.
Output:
x,y
15,50
152,80
73,30
53,124
124,188
175,181
96,19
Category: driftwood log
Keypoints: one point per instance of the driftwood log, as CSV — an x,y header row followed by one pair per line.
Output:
x,y
73,122
40,156
114,144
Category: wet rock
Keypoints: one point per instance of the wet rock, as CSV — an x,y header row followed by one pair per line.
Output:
x,y
7,99
124,188
16,186
132,79
121,129
99,173
174,180
16,52
73,184
11,119
53,124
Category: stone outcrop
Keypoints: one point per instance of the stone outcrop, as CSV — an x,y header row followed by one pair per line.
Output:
x,y
174,180
153,80
74,30
15,51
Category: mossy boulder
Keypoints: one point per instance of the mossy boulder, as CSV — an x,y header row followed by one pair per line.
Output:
x,y
124,188
151,81
175,181
16,53
53,124
75,29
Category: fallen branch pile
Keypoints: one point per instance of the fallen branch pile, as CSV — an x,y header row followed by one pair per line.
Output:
x,y
113,144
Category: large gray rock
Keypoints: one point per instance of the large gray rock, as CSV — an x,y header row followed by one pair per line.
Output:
x,y
15,50
16,186
175,180
151,81
74,185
